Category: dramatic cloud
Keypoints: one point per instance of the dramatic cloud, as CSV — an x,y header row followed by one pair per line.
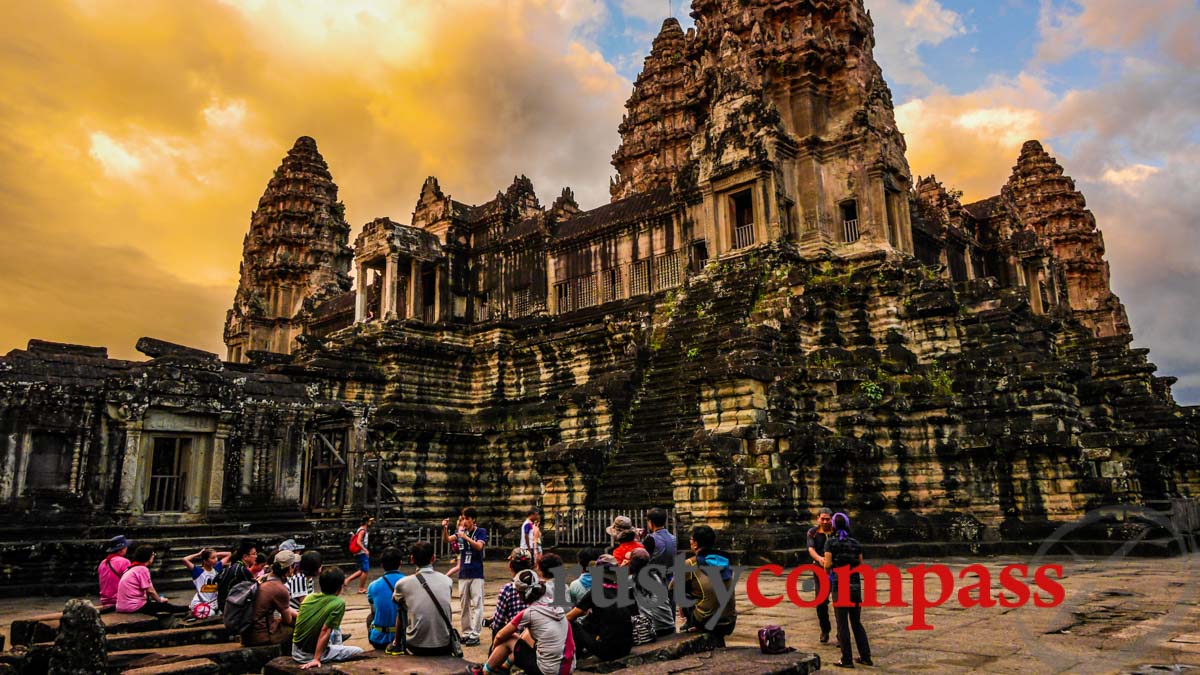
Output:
x,y
1131,143
902,27
136,138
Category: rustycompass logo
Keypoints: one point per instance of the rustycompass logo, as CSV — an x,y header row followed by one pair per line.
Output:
x,y
1110,607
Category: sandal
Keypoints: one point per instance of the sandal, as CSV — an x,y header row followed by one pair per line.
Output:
x,y
840,664
865,660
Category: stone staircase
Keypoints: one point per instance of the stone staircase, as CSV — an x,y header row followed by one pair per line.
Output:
x,y
691,329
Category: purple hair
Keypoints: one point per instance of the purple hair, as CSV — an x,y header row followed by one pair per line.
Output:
x,y
841,523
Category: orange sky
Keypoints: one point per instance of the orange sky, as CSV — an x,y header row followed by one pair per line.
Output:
x,y
136,138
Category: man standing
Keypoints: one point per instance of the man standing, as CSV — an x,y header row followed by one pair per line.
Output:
x,y
816,550
531,534
111,568
471,542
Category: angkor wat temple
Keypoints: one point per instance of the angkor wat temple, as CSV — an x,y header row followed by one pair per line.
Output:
x,y
770,316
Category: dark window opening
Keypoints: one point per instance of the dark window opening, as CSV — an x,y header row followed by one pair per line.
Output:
x,y
699,255
49,467
743,219
956,259
168,473
428,293
850,230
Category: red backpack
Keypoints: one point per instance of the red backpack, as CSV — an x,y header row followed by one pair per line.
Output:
x,y
355,547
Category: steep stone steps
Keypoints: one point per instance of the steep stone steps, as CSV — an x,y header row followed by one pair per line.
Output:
x,y
699,322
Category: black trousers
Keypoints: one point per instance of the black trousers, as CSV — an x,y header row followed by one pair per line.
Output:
x,y
850,619
823,614
586,640
156,607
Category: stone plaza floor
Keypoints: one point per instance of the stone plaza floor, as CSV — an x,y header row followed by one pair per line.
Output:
x,y
1119,616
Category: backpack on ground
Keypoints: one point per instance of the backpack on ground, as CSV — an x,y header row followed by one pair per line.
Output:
x,y
643,630
239,607
772,640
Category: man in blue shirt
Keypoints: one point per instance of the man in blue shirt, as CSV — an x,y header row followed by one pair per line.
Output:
x,y
664,541
381,623
472,540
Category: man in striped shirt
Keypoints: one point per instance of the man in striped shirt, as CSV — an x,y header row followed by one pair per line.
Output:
x,y
300,584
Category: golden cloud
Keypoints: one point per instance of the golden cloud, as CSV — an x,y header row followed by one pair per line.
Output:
x,y
139,136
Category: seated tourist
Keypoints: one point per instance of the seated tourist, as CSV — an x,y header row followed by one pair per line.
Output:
x,y
204,567
604,631
508,602
623,531
423,617
583,585
237,571
698,585
381,622
303,582
112,568
654,602
317,637
550,568
537,640
135,591
273,616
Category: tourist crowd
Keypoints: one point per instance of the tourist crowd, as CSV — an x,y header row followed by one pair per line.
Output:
x,y
287,595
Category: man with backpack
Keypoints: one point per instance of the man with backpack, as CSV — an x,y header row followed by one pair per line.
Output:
x,y
424,608
270,597
362,554
381,623
239,571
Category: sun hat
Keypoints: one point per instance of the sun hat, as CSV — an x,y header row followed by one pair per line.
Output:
x,y
619,524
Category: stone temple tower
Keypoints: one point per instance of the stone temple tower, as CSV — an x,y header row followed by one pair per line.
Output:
x,y
782,96
296,252
1049,203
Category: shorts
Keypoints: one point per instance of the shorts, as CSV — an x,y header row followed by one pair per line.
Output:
x,y
525,658
364,561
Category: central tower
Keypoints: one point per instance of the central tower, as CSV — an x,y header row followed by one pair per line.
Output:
x,y
788,91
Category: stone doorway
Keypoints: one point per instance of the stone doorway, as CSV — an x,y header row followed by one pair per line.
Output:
x,y
328,468
169,459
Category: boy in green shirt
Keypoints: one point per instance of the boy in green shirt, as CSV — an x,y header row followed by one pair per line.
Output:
x,y
318,637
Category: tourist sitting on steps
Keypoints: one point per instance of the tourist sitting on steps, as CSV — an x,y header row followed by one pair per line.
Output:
x,y
508,602
583,585
843,550
623,532
135,592
423,617
303,582
317,637
550,567
112,568
702,616
654,602
538,639
271,601
606,632
237,572
204,578
381,622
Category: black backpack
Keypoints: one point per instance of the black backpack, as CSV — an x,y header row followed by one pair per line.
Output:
x,y
239,607
228,578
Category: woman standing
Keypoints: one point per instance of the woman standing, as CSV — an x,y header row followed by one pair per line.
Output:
x,y
843,551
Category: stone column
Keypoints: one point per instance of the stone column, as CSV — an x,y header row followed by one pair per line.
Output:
x,y
360,293
130,499
216,470
389,286
414,288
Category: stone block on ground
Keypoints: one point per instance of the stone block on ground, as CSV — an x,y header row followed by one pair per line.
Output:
x,y
171,637
44,629
189,667
375,663
737,661
231,657
670,648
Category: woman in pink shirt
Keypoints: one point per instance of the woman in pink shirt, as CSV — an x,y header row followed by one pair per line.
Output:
x,y
136,592
111,568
